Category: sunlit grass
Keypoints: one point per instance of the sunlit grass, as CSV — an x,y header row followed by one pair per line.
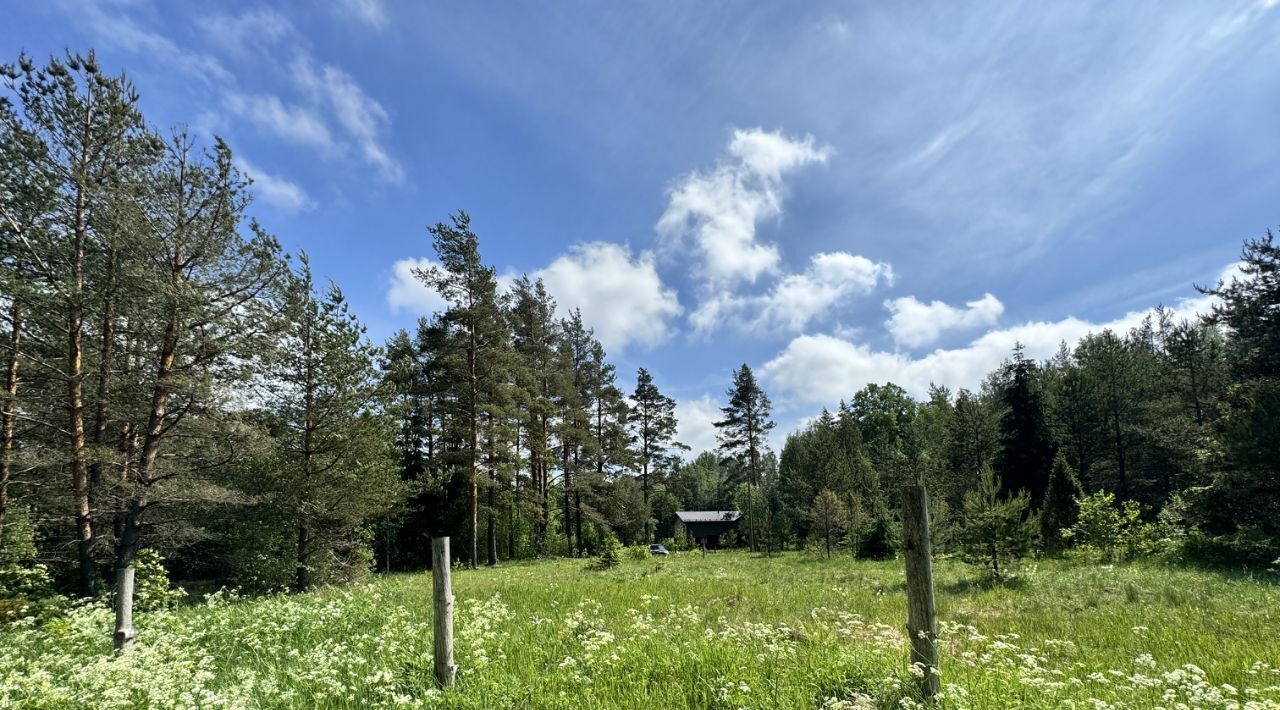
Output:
x,y
727,630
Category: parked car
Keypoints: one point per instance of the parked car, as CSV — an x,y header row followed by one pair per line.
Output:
x,y
658,550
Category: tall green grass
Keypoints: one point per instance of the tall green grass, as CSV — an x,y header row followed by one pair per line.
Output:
x,y
728,630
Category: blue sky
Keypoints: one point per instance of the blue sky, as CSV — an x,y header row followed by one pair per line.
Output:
x,y
834,193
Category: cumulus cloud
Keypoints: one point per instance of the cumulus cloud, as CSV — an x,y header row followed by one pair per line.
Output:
x,y
621,297
714,214
406,292
275,190
916,324
695,423
816,369
796,299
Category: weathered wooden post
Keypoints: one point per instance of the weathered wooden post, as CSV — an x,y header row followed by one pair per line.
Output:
x,y
922,619
442,617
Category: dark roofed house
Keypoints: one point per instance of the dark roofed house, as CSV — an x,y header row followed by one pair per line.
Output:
x,y
706,526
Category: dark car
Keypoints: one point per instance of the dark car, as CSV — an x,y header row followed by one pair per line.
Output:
x,y
658,550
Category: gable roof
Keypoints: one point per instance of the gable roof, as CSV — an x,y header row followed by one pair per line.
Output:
x,y
708,516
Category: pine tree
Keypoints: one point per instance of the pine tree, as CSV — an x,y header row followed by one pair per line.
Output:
x,y
532,316
1240,507
743,433
477,353
653,430
1061,503
336,469
998,530
80,138
205,313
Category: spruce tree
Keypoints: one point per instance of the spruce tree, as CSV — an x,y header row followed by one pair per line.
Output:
x,y
1027,448
1061,503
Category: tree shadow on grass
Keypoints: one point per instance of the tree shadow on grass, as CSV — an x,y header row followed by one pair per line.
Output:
x,y
981,583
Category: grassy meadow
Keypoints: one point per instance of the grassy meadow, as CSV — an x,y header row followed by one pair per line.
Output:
x,y
728,630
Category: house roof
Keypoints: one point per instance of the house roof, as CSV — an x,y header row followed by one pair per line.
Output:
x,y
708,516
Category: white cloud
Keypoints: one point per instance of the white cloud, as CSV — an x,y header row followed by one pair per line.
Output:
x,y
119,31
796,299
715,214
239,34
360,116
370,12
818,369
275,190
296,124
915,324
695,424
621,298
406,292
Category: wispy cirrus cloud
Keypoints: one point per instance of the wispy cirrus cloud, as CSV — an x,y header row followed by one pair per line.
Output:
x,y
368,12
274,189
361,117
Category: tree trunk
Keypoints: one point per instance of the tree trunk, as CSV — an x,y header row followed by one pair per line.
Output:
x,y
302,575
105,351
131,530
492,522
126,555
8,412
75,406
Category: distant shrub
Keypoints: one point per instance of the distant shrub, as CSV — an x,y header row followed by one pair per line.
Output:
x,y
610,554
1112,533
639,553
679,543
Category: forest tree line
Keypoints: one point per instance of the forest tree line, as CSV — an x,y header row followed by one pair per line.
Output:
x,y
1163,440
174,382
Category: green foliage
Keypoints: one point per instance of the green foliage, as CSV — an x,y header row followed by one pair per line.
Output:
x,y
997,531
1107,530
151,583
1061,506
26,587
610,555
830,518
638,553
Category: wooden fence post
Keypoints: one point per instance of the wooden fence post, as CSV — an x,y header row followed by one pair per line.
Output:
x,y
442,617
922,619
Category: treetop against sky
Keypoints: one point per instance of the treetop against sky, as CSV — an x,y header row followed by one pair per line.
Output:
x,y
836,195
